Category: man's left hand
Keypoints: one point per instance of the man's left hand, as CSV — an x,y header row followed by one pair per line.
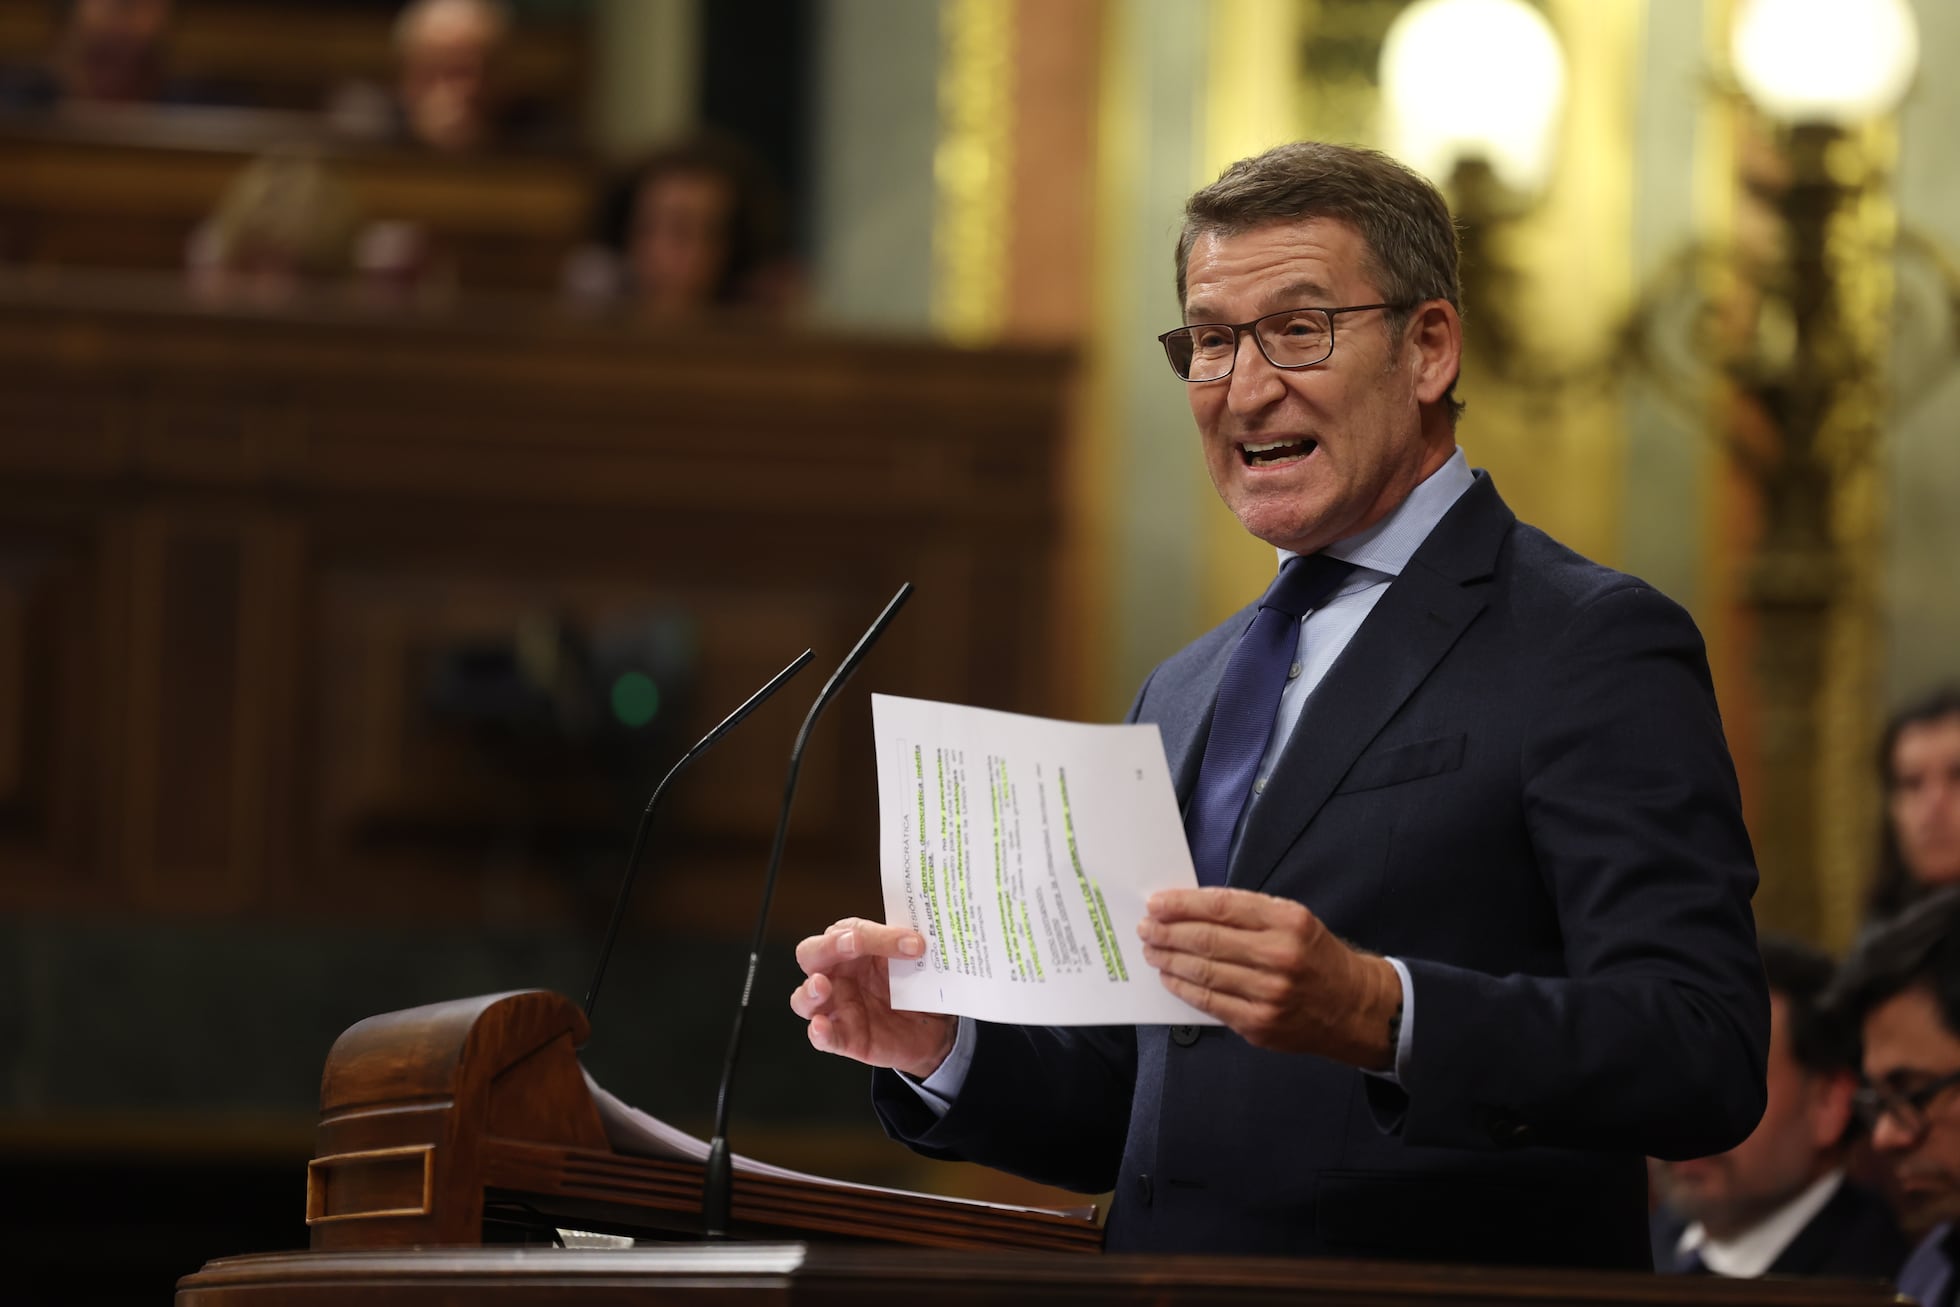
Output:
x,y
1270,970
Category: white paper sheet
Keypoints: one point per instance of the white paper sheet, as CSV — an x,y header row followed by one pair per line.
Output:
x,y
1024,850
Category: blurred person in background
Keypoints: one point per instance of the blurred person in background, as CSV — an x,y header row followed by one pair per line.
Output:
x,y
105,52
445,53
446,95
1779,1202
1919,760
289,226
1902,984
697,224
285,224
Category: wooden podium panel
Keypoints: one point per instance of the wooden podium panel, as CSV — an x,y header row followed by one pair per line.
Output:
x,y
440,1122
125,189
431,1116
233,544
833,1276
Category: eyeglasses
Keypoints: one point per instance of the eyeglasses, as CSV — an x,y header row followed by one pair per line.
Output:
x,y
1291,338
1906,1107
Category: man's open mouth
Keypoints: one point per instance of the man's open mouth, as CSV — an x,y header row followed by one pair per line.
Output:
x,y
1274,452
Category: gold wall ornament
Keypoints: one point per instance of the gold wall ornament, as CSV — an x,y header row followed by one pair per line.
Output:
x,y
1340,61
1849,802
973,169
1547,279
1802,336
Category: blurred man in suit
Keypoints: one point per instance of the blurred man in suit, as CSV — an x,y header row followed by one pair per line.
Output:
x,y
1902,983
1779,1203
1473,900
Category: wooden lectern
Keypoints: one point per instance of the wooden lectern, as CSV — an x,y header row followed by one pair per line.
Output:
x,y
440,1122
439,1118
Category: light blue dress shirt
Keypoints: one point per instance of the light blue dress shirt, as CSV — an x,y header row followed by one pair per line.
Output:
x,y
1379,554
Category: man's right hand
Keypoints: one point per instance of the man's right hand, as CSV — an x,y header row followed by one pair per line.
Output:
x,y
846,998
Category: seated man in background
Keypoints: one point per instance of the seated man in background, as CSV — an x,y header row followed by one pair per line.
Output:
x,y
1779,1203
1902,983
446,95
446,50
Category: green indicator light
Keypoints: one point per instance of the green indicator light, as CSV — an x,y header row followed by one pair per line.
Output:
x,y
635,699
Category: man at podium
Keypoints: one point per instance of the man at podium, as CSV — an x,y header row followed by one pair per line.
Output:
x,y
1474,883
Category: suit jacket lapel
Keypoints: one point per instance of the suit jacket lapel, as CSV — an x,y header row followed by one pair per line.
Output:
x,y
1426,609
1187,721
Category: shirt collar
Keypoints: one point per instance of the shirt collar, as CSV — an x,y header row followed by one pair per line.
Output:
x,y
1389,544
1756,1250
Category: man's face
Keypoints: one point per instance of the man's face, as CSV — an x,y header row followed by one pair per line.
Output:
x,y
1925,799
445,78
1358,441
1907,1045
1795,1142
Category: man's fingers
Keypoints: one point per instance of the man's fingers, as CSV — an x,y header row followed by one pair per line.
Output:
x,y
1235,1012
1221,978
1208,939
855,937
811,997
1227,907
875,939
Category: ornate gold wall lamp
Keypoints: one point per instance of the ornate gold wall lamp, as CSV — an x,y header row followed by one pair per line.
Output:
x,y
1781,333
1472,95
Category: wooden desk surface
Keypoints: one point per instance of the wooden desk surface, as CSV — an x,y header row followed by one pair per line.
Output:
x,y
856,1275
120,188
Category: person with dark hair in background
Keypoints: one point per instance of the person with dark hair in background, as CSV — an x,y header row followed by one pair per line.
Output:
x,y
697,224
1473,881
1919,760
1902,984
1779,1203
105,52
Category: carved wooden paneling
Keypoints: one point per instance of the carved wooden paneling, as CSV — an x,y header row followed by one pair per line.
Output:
x,y
294,54
208,670
51,697
278,525
126,192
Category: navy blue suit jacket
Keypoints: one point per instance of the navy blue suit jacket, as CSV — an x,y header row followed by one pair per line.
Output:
x,y
1515,780
1854,1236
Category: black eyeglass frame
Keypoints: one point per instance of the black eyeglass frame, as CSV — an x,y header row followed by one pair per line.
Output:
x,y
1239,328
1907,1107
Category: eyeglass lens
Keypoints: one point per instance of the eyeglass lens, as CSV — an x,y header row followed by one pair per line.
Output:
x,y
1297,338
1907,1108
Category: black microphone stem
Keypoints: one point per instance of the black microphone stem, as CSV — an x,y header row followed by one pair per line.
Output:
x,y
728,724
719,1180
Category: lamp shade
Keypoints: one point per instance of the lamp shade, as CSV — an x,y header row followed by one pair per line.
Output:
x,y
1828,61
1473,79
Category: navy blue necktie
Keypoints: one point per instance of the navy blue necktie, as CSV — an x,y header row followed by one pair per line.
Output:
x,y
1248,700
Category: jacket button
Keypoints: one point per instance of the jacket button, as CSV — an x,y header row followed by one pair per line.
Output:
x,y
1184,1036
1143,1189
1509,1130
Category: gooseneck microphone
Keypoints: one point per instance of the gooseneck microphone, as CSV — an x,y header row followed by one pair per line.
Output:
x,y
728,724
719,1180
